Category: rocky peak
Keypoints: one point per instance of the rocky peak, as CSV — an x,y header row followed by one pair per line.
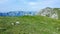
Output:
x,y
49,12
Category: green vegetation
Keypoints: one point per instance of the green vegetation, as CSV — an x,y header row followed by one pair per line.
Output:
x,y
29,25
58,12
50,12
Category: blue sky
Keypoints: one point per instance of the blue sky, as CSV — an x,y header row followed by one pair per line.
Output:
x,y
27,5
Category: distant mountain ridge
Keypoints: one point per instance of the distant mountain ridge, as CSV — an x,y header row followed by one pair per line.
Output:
x,y
49,12
18,13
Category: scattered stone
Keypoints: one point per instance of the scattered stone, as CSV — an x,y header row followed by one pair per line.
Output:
x,y
17,23
12,23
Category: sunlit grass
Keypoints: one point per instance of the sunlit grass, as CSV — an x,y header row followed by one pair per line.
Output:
x,y
29,25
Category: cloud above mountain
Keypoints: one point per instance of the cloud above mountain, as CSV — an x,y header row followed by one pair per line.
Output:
x,y
3,1
28,4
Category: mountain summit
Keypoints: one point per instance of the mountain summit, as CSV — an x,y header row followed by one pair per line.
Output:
x,y
49,12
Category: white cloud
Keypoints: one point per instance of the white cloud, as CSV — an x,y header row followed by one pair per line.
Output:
x,y
32,3
39,4
3,1
48,2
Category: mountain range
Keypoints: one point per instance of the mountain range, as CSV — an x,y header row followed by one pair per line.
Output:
x,y
49,12
18,13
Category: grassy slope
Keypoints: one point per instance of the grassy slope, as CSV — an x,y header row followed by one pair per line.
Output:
x,y
58,12
29,25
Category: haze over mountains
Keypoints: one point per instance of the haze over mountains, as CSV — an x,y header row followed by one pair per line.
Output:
x,y
18,13
49,12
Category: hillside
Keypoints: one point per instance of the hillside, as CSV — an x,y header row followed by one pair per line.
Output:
x,y
58,11
29,25
50,12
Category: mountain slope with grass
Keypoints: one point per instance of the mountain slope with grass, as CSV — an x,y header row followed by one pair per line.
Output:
x,y
29,25
50,12
57,11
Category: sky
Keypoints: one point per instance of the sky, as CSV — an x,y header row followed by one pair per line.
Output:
x,y
27,5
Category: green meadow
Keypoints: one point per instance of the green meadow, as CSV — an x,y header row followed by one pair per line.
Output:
x,y
29,25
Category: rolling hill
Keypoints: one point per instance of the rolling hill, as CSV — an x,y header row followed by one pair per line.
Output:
x,y
29,25
50,12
